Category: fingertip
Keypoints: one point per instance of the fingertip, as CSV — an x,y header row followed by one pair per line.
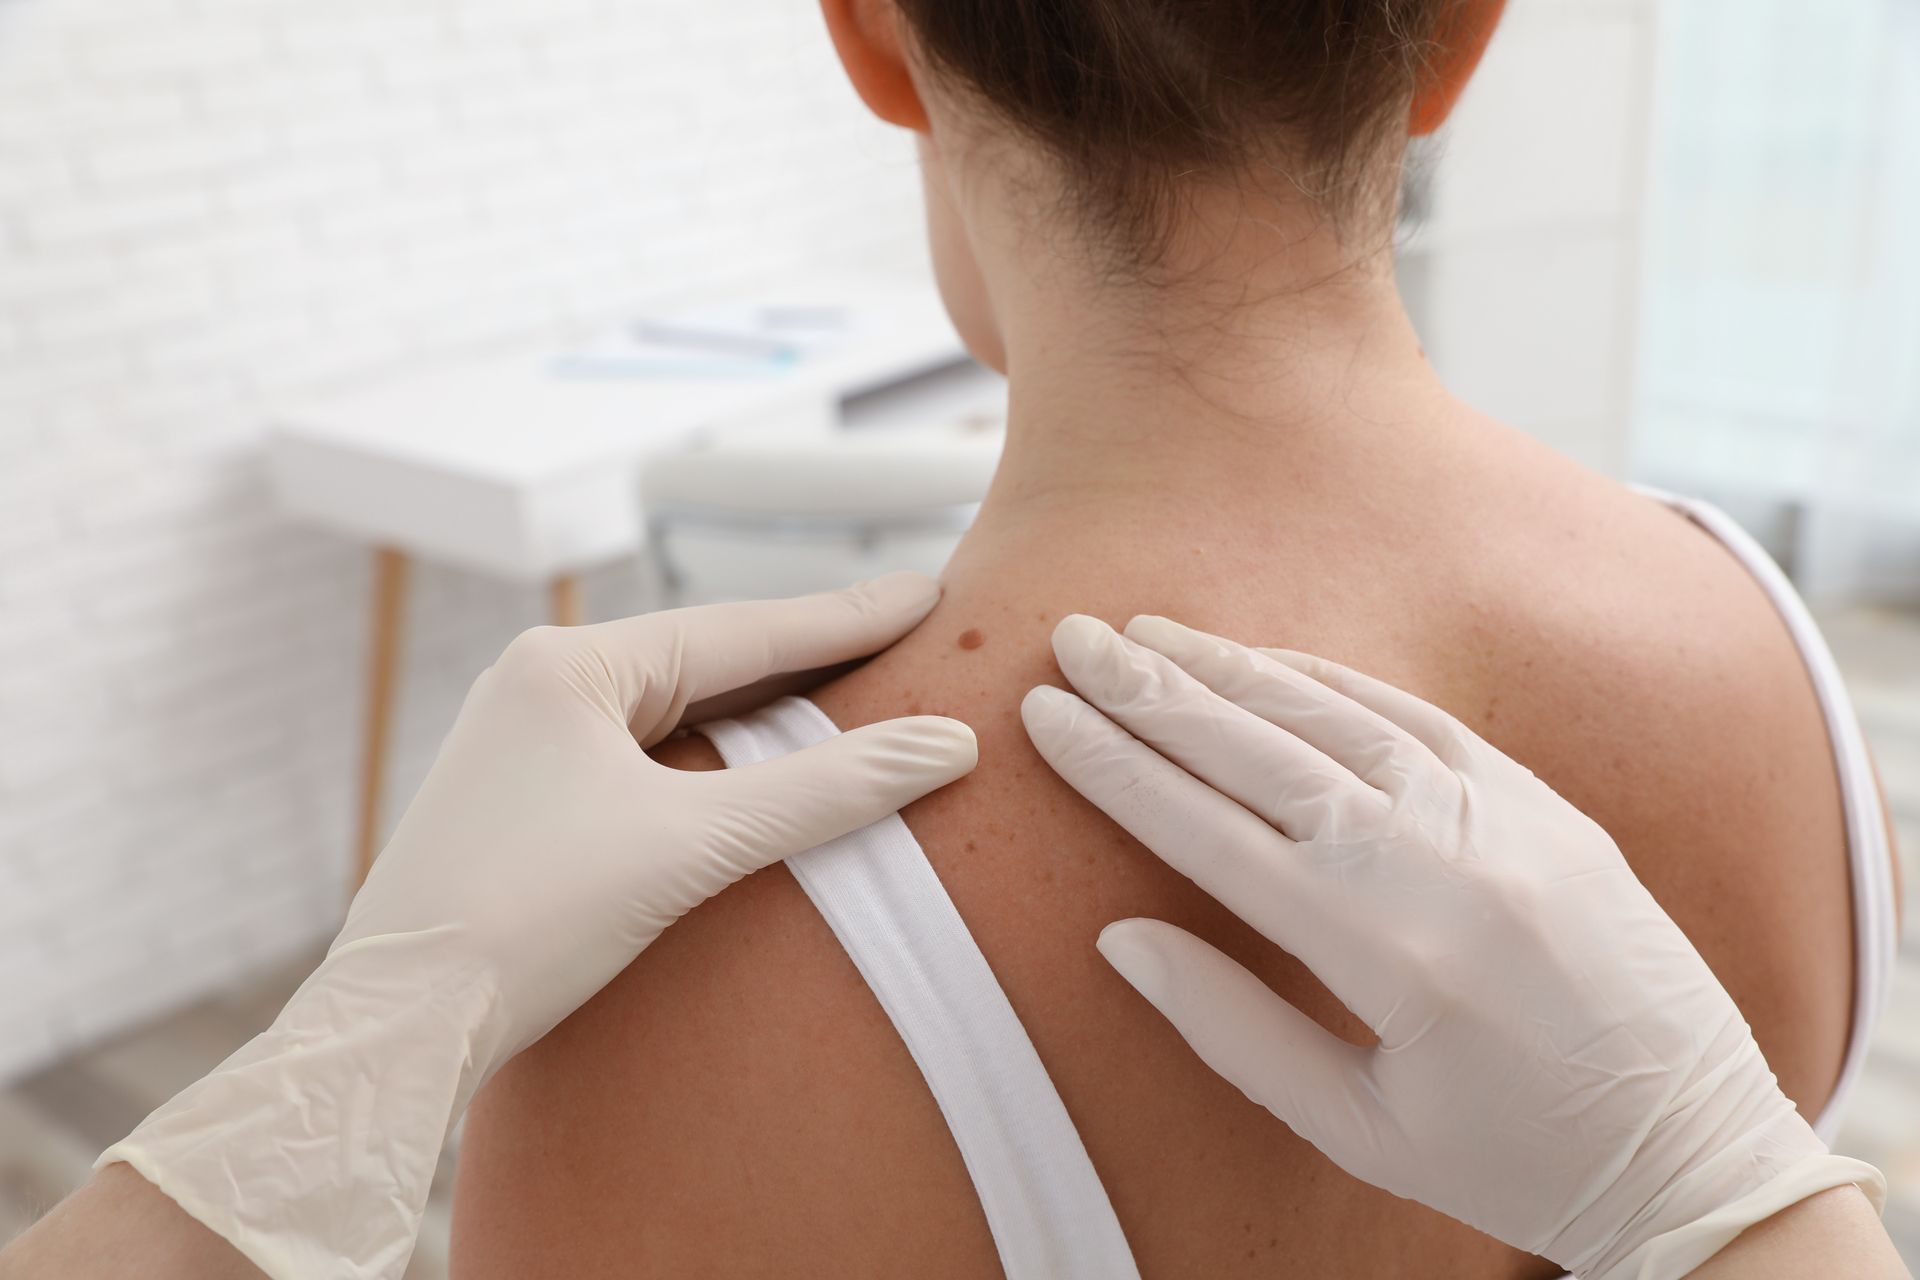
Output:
x,y
1044,704
1130,947
1116,932
1143,628
1078,635
1097,661
1050,714
905,592
947,746
962,742
1174,641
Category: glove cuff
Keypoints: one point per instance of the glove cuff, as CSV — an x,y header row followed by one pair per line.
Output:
x,y
311,1148
1728,1133
1679,1252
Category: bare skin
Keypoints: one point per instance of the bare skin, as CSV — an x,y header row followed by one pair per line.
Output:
x,y
1833,1233
1346,506
1598,638
1255,445
119,1225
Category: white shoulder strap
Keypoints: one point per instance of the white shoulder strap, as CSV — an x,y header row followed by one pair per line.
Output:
x,y
1870,858
1049,1214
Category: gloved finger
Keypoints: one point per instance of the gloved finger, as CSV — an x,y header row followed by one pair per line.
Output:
x,y
1314,1082
751,697
1204,835
1294,786
1448,739
661,662
1378,751
1256,872
761,813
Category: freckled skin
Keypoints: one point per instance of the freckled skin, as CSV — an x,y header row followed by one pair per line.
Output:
x,y
783,1130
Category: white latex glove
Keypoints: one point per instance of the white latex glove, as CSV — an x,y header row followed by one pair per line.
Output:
x,y
1556,1064
543,852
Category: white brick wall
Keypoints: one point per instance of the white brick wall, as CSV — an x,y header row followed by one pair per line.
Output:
x,y
208,207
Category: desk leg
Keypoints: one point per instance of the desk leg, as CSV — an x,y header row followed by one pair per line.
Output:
x,y
383,660
569,609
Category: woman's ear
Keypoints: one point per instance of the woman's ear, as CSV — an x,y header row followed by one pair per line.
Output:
x,y
866,33
1461,41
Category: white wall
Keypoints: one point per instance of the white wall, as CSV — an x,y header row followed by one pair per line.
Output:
x,y
1524,278
212,207
1779,375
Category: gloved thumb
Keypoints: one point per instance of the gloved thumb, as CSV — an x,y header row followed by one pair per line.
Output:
x,y
760,813
1312,1081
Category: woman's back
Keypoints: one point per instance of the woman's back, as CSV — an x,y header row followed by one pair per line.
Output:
x,y
1599,638
1170,227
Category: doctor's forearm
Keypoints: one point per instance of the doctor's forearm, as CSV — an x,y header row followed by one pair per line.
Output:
x,y
1835,1233
120,1225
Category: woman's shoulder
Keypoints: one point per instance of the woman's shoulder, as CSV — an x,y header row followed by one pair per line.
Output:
x,y
1637,662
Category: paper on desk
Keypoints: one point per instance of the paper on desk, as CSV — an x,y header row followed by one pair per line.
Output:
x,y
719,340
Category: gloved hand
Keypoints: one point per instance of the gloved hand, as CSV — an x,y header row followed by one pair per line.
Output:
x,y
543,852
1556,1064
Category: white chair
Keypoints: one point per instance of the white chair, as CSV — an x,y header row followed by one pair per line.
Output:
x,y
744,516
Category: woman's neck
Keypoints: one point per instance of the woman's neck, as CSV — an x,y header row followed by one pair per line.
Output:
x,y
1283,386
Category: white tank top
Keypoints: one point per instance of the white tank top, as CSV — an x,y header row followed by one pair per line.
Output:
x,y
1044,1202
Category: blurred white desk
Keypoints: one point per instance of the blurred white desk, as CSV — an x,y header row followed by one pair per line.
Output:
x,y
532,474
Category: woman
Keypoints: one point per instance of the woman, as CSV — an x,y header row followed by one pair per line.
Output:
x,y
1169,225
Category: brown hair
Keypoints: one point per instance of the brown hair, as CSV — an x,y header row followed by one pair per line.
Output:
x,y
1133,96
